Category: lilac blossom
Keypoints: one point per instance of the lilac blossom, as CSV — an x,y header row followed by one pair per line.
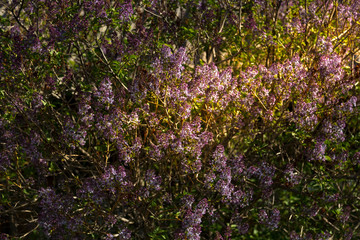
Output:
x,y
105,93
126,10
271,220
152,180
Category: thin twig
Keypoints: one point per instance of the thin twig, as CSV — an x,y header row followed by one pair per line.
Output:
x,y
109,66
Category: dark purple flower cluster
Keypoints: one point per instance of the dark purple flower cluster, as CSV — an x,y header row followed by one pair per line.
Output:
x,y
292,175
271,220
104,93
56,214
153,181
126,10
191,224
345,214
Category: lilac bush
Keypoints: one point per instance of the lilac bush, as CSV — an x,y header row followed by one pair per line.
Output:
x,y
141,120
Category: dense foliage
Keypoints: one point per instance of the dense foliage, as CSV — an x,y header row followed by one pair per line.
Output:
x,y
184,119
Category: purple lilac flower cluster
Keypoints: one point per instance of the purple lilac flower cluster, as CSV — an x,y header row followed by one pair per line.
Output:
x,y
271,219
191,225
